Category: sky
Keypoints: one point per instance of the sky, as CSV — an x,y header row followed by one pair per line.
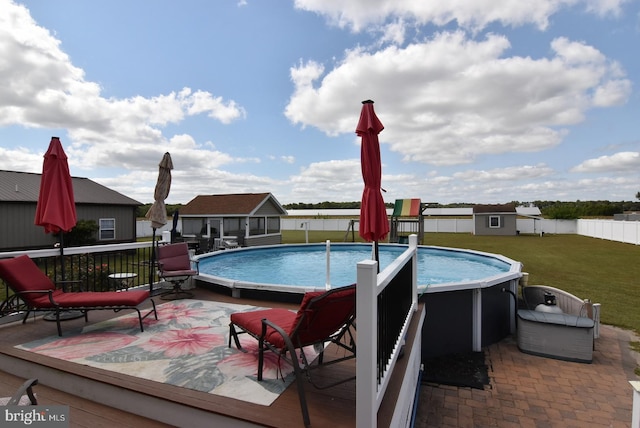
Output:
x,y
482,101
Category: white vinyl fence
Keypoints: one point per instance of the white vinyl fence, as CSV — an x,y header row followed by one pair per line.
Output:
x,y
435,225
613,230
144,229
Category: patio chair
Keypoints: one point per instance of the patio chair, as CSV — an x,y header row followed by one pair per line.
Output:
x,y
174,266
35,290
204,245
24,396
323,317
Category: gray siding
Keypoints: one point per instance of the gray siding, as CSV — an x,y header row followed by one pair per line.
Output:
x,y
507,224
257,240
269,208
18,200
124,216
18,230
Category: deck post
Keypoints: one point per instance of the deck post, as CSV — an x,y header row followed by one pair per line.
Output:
x,y
366,377
635,413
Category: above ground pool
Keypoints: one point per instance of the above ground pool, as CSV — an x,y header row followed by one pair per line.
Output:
x,y
468,295
305,265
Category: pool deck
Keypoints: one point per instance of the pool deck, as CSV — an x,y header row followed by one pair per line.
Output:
x,y
524,390
530,391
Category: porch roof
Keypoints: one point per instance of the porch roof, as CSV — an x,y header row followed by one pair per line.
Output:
x,y
237,204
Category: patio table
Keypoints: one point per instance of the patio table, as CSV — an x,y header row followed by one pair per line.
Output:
x,y
125,278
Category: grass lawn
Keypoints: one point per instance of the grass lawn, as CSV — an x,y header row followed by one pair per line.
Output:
x,y
604,271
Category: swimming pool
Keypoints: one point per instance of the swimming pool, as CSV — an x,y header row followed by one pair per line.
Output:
x,y
467,294
304,266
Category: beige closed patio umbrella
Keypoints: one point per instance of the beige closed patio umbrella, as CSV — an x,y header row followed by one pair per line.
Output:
x,y
158,211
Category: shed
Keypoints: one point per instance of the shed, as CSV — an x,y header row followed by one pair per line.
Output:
x,y
248,218
113,212
495,219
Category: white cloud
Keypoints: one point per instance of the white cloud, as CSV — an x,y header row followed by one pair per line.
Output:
x,y
612,93
41,88
459,98
394,32
339,180
359,15
508,174
618,162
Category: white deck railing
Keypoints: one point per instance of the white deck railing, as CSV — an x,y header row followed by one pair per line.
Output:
x,y
370,391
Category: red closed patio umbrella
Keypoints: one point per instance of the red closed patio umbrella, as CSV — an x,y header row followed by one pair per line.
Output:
x,y
374,225
56,209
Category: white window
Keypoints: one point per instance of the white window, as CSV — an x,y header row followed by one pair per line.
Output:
x,y
107,229
273,224
494,221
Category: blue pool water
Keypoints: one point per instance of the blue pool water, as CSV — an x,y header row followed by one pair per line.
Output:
x,y
305,265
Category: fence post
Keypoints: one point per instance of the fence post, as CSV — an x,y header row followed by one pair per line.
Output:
x,y
366,377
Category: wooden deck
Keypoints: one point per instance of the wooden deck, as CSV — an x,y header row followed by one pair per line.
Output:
x,y
101,398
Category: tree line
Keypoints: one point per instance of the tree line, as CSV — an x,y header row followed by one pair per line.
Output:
x,y
549,209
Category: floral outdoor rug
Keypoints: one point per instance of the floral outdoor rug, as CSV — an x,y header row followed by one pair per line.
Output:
x,y
187,346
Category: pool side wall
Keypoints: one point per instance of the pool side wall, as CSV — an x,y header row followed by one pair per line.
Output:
x,y
448,327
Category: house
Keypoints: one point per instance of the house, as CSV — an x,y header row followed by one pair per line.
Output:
x,y
249,219
114,213
495,219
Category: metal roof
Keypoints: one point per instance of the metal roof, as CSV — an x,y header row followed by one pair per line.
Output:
x,y
25,186
497,208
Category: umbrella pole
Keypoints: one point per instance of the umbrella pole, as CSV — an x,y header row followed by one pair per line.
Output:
x,y
63,315
62,272
376,254
153,260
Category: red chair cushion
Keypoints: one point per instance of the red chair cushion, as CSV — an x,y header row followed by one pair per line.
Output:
x,y
252,322
321,318
315,320
90,299
22,274
174,257
173,273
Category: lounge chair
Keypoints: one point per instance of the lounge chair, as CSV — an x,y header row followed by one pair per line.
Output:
x,y
229,242
24,396
31,286
322,317
174,266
